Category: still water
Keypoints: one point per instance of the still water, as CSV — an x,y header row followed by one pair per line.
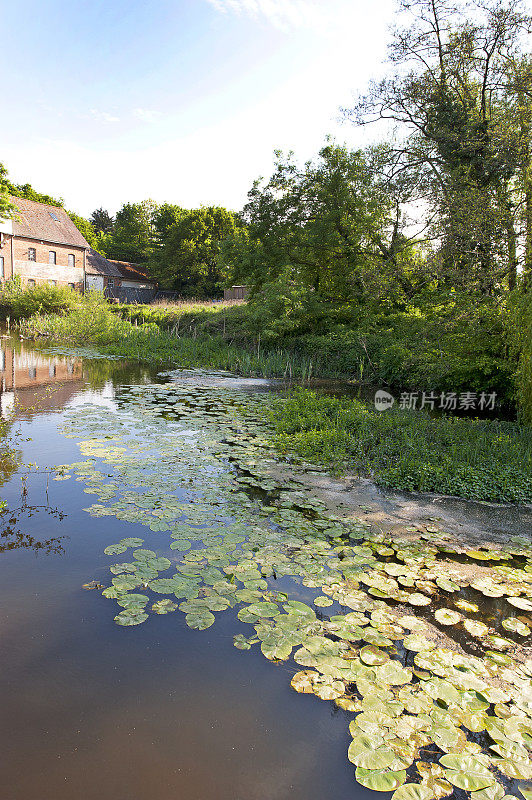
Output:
x,y
158,710
155,711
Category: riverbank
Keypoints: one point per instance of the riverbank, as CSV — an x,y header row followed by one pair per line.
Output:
x,y
482,460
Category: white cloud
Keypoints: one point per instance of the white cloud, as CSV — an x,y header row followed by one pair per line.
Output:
x,y
146,114
291,14
102,116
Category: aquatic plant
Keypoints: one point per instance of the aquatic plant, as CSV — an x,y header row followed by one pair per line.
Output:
x,y
194,468
413,451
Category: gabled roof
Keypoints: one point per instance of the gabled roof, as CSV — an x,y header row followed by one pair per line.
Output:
x,y
133,272
35,221
96,264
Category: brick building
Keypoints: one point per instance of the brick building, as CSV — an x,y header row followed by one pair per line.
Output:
x,y
41,244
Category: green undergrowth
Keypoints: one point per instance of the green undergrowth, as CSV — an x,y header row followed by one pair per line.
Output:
x,y
406,350
94,323
412,451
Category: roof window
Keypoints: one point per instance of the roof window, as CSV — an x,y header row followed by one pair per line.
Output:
x,y
54,216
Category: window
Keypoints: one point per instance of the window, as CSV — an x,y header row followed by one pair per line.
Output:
x,y
52,370
52,257
71,260
32,254
54,216
52,283
111,283
2,360
72,285
31,283
32,373
2,268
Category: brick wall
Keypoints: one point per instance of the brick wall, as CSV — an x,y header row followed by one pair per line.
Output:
x,y
40,270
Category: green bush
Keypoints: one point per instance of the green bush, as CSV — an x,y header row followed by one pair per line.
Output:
x,y
413,451
18,302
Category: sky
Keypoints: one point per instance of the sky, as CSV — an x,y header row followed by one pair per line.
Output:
x,y
181,101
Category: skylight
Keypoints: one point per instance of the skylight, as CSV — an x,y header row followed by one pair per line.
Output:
x,y
53,216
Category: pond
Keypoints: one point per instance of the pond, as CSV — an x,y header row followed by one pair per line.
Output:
x,y
186,616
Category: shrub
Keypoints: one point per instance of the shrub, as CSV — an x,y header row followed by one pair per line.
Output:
x,y
19,302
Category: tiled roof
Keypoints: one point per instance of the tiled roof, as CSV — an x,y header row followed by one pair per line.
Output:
x,y
132,272
99,265
35,221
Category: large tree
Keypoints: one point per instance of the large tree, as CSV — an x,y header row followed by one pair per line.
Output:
x,y
449,92
132,236
186,258
335,226
102,221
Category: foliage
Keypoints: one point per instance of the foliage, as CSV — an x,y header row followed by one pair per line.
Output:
x,y
22,302
102,221
457,91
186,258
477,459
520,334
5,204
330,227
131,237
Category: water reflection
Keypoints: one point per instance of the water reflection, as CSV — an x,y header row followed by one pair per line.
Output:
x,y
13,532
31,380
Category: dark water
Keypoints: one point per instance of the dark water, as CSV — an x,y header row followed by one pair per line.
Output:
x,y
153,712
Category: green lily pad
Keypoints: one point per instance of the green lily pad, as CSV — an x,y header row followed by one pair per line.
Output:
x,y
199,620
447,616
380,780
466,772
370,753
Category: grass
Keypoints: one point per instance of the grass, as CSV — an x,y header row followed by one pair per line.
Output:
x,y
411,451
95,323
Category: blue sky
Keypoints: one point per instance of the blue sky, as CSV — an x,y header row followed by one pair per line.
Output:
x,y
178,100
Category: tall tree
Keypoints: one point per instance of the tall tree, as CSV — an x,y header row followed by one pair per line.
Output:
x,y
132,236
5,204
102,221
448,93
187,258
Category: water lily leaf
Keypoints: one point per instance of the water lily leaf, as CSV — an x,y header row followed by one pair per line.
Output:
x,y
115,549
475,628
322,602
495,792
412,791
164,606
446,616
370,753
521,602
466,772
302,681
380,780
243,643
199,620
131,541
393,674
418,599
278,650
515,626
131,617
373,656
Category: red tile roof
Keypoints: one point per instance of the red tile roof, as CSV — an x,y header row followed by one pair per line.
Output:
x,y
35,221
132,272
98,265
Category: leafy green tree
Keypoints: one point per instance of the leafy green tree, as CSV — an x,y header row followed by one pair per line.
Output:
x,y
448,92
334,226
102,221
5,204
187,258
132,236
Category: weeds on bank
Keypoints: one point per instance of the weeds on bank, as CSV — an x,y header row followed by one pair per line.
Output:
x,y
412,451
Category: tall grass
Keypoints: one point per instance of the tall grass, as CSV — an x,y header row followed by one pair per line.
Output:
x,y
93,322
478,459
